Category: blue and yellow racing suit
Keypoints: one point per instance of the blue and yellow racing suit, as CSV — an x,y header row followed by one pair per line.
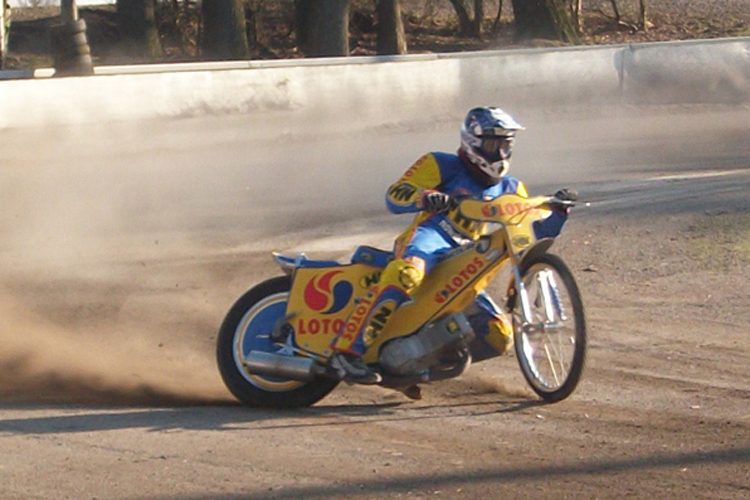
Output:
x,y
425,241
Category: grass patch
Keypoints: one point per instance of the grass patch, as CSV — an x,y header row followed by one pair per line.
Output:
x,y
720,241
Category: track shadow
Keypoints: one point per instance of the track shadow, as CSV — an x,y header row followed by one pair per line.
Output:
x,y
495,476
244,419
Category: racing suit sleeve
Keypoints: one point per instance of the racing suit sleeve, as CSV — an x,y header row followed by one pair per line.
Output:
x,y
405,195
552,225
521,190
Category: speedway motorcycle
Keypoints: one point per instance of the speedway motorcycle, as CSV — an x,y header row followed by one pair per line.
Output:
x,y
274,344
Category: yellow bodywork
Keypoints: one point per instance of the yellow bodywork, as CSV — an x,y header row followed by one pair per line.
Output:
x,y
515,213
450,287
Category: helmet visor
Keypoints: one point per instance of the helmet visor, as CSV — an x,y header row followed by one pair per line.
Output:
x,y
497,148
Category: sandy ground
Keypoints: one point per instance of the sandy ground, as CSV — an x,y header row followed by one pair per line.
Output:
x,y
119,259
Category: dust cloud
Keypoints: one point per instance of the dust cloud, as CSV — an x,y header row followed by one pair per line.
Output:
x,y
43,362
491,386
108,291
123,246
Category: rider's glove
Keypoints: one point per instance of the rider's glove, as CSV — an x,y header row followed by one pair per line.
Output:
x,y
436,202
567,194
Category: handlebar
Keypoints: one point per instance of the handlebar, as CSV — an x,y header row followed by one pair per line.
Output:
x,y
557,203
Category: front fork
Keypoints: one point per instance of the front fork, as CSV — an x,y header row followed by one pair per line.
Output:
x,y
522,295
548,299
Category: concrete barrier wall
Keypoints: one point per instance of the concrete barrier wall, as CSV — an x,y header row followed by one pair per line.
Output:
x,y
381,90
541,77
688,72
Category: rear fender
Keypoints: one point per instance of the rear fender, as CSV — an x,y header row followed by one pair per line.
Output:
x,y
289,264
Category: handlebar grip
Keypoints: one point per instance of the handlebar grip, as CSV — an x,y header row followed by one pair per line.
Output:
x,y
557,203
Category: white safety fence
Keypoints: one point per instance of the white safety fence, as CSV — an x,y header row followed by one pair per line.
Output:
x,y
379,90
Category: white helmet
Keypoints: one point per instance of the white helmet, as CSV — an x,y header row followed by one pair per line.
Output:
x,y
487,140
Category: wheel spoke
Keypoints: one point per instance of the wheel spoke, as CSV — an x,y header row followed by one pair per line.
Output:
x,y
551,365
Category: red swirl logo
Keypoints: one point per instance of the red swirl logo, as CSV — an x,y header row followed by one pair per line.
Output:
x,y
324,296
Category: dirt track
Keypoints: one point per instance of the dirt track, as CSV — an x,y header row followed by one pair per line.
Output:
x,y
115,276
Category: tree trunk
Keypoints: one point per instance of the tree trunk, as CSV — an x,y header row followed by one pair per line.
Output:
x,y
496,24
136,23
644,15
543,19
617,11
322,27
577,9
68,11
478,17
4,30
391,36
70,46
224,36
465,26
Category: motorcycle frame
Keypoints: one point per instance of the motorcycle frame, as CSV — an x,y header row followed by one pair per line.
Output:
x,y
320,299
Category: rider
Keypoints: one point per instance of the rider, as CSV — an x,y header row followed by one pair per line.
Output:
x,y
479,170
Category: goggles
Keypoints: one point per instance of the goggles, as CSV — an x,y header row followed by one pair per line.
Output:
x,y
497,147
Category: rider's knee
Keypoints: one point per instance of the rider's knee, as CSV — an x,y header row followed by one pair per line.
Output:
x,y
404,274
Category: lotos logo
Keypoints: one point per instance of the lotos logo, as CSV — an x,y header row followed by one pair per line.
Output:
x,y
458,281
319,296
489,210
508,209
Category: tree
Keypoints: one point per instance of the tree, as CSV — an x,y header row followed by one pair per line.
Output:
x,y
136,23
543,19
322,27
575,11
465,24
643,21
224,36
616,11
496,24
478,18
391,36
4,29
70,47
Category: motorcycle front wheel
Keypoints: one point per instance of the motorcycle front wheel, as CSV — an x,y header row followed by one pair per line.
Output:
x,y
247,327
551,347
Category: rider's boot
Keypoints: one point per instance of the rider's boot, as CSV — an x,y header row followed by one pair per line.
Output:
x,y
371,314
500,334
352,369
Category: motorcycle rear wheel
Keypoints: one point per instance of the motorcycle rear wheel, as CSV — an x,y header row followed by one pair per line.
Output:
x,y
551,351
247,327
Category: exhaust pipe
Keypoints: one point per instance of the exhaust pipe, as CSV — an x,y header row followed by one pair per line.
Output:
x,y
288,367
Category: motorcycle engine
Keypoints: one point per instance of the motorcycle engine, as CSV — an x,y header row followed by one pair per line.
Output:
x,y
413,354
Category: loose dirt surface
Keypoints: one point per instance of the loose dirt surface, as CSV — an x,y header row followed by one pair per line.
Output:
x,y
118,264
